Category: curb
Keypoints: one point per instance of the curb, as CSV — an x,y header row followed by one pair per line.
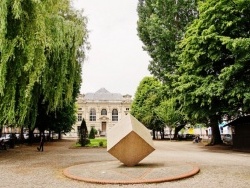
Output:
x,y
76,173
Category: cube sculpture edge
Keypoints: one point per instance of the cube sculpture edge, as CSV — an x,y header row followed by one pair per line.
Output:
x,y
129,141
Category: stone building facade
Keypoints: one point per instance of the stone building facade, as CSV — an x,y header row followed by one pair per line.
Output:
x,y
101,110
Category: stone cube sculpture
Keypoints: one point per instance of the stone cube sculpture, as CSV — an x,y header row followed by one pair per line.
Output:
x,y
129,141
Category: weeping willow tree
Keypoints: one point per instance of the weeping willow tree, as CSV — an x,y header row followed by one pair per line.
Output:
x,y
41,49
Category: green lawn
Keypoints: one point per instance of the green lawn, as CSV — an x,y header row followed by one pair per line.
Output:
x,y
96,142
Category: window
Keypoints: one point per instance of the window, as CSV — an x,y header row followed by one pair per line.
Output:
x,y
79,108
114,115
104,112
92,115
78,130
126,111
79,117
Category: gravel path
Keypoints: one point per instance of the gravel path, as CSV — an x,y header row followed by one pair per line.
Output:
x,y
24,167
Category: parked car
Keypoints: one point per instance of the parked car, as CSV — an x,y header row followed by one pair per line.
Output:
x,y
190,136
9,139
5,137
26,135
186,136
227,139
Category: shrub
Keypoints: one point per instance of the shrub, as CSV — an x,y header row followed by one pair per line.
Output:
x,y
84,142
92,133
101,144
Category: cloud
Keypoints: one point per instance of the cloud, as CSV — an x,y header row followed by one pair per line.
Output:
x,y
116,60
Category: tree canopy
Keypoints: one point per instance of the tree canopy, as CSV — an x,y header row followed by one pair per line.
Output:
x,y
41,46
204,62
161,26
57,121
147,98
214,61
169,111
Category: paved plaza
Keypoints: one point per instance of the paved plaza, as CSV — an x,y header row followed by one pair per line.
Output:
x,y
24,167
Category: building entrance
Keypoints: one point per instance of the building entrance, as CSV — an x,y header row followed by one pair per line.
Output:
x,y
104,127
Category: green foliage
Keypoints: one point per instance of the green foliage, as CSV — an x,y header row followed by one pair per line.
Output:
x,y
83,125
214,63
84,142
92,133
169,112
58,121
161,26
101,144
41,45
83,134
204,61
147,98
214,67
97,142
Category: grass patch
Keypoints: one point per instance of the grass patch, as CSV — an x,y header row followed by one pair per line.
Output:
x,y
97,142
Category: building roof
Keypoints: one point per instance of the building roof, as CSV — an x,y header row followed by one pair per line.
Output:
x,y
103,95
240,120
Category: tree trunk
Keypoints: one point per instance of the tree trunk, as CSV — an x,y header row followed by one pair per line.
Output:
x,y
59,135
49,136
177,129
170,133
21,135
162,133
153,134
216,137
31,136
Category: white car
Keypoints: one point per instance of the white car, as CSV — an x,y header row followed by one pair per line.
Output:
x,y
26,136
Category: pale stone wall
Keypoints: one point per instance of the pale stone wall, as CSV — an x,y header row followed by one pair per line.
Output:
x,y
84,106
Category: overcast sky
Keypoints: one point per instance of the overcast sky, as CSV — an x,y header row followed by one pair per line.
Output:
x,y
116,60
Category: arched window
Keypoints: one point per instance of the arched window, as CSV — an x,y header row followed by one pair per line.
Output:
x,y
104,112
92,115
114,115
